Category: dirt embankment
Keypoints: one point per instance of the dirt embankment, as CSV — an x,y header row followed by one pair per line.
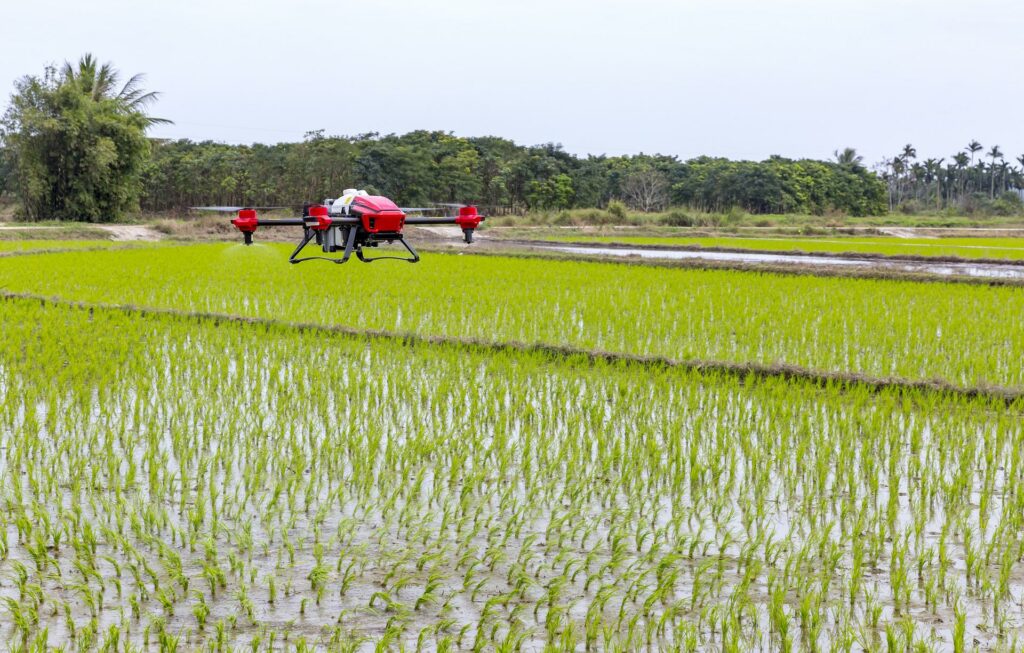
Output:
x,y
129,232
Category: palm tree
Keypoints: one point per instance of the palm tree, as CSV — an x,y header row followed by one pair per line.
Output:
x,y
99,82
950,182
915,178
973,147
898,167
962,161
933,172
994,153
848,157
1004,176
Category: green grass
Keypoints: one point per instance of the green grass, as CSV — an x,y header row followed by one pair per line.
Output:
x,y
55,244
964,334
990,248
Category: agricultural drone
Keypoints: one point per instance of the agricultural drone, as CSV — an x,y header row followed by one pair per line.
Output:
x,y
352,223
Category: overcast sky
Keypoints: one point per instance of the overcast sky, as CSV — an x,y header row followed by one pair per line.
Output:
x,y
736,78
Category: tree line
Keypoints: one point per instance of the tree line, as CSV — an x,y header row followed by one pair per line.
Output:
x,y
422,167
964,181
74,145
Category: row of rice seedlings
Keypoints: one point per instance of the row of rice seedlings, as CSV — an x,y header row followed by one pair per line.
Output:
x,y
963,334
181,485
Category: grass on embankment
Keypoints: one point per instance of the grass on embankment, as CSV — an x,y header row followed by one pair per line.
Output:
x,y
738,220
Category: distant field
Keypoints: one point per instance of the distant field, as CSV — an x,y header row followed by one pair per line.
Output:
x,y
994,248
25,245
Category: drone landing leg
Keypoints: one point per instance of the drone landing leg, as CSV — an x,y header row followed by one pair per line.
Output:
x,y
310,233
350,243
405,243
306,237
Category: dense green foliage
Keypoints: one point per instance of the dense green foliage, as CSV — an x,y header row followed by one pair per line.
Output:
x,y
73,145
965,334
422,167
779,185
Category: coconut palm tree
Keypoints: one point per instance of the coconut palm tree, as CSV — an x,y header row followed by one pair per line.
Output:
x,y
100,82
898,168
950,183
994,153
848,157
962,161
1004,176
933,175
973,147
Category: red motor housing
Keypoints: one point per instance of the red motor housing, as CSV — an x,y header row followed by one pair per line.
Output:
x,y
379,214
323,221
246,221
468,218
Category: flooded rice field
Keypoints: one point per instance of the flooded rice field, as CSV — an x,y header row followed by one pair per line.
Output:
x,y
177,485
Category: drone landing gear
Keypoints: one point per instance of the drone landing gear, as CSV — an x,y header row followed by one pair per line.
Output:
x,y
310,234
330,241
414,256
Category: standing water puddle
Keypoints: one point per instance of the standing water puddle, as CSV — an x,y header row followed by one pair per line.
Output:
x,y
967,269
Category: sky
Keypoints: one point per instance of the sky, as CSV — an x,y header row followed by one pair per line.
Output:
x,y
735,78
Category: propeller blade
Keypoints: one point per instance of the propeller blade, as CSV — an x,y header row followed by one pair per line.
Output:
x,y
454,204
222,209
232,209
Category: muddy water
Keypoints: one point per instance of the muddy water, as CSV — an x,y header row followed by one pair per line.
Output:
x,y
965,269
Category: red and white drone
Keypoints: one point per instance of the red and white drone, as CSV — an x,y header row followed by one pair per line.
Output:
x,y
352,223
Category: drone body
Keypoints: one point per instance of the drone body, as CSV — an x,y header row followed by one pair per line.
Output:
x,y
362,221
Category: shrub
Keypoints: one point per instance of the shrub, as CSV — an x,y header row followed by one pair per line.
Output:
x,y
678,218
617,209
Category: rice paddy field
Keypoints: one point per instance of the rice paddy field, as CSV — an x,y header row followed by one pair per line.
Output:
x,y
203,448
16,246
968,248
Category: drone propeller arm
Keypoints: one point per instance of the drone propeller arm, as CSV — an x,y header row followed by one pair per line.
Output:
x,y
281,222
427,219
467,220
301,222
